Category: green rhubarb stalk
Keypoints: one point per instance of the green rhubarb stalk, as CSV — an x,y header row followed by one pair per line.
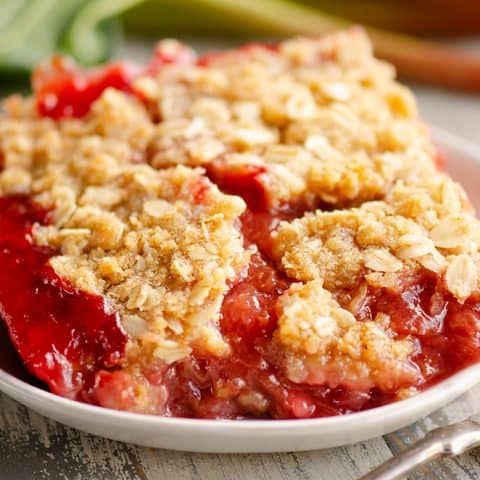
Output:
x,y
87,33
31,30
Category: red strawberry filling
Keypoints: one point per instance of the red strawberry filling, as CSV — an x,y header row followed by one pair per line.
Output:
x,y
63,336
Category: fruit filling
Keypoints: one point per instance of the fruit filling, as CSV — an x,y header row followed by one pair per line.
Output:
x,y
64,336
261,233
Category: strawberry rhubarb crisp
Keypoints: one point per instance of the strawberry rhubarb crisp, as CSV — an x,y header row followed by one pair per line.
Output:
x,y
263,232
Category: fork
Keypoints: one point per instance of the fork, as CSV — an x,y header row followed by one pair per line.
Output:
x,y
448,441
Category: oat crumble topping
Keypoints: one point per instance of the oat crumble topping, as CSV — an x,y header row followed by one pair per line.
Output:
x,y
324,117
325,344
425,224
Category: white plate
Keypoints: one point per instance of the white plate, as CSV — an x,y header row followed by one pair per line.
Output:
x,y
257,435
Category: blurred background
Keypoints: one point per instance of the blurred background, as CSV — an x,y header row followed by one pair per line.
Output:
x,y
435,44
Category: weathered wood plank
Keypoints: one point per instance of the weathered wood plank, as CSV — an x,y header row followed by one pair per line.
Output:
x,y
33,447
341,463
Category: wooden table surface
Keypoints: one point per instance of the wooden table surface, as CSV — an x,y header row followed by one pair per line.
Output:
x,y
33,447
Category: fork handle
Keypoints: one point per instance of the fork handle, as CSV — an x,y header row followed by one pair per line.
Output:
x,y
446,441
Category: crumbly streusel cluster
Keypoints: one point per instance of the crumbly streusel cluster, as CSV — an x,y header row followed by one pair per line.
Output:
x,y
136,219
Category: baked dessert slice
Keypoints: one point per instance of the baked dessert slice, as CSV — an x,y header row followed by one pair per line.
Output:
x,y
264,232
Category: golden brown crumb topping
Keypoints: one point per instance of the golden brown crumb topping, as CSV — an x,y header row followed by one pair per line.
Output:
x,y
425,224
324,117
325,344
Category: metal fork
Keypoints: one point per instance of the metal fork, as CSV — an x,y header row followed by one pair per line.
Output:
x,y
448,441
